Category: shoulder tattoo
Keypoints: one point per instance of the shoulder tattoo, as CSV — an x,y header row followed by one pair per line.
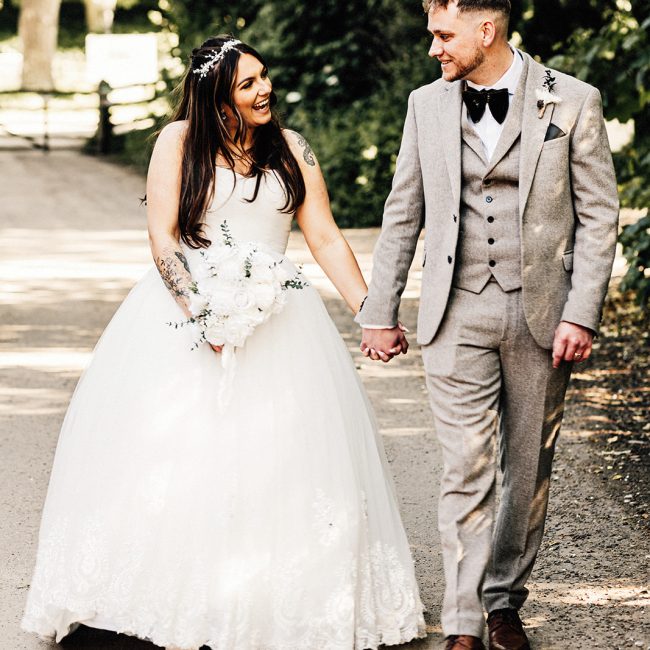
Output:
x,y
307,152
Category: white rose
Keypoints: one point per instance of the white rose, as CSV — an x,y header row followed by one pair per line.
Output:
x,y
216,334
264,295
197,304
279,302
243,299
237,331
261,270
257,317
218,253
208,285
217,293
284,273
231,268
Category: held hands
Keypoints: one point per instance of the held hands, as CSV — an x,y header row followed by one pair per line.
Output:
x,y
571,343
384,344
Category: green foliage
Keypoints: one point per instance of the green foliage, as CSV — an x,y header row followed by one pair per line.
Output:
x,y
330,52
196,20
545,26
349,69
635,239
616,59
357,147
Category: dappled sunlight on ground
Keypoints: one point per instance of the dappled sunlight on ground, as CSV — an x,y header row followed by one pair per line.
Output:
x,y
46,267
46,359
633,595
31,401
57,290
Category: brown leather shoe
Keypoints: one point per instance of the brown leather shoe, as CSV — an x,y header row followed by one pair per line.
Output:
x,y
506,631
463,642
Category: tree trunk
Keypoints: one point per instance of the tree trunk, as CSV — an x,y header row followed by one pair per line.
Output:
x,y
99,15
38,27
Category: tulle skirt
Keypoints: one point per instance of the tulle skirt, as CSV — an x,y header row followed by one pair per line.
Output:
x,y
270,524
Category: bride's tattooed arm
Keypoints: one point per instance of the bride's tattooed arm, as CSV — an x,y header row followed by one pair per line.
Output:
x,y
175,273
163,197
307,152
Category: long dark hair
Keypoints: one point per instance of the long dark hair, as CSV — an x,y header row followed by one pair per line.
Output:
x,y
201,104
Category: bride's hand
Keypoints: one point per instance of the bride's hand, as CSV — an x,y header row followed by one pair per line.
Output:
x,y
216,348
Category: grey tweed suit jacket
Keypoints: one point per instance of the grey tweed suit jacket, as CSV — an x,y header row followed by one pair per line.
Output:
x,y
568,208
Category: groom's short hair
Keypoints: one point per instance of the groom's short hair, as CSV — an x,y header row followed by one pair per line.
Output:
x,y
502,6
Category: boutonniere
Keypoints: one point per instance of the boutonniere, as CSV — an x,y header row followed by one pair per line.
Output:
x,y
545,95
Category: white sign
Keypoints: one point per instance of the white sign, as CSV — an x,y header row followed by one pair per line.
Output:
x,y
122,59
11,66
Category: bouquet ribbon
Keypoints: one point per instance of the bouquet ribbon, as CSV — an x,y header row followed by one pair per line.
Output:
x,y
229,365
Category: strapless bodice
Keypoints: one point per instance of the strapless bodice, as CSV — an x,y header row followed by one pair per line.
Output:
x,y
260,221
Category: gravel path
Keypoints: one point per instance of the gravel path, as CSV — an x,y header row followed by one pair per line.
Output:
x,y
72,243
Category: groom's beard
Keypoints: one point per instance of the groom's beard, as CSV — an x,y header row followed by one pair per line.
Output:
x,y
466,68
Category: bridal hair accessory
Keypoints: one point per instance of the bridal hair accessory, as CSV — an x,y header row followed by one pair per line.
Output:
x,y
215,57
545,95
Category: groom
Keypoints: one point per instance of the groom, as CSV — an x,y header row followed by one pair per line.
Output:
x,y
507,166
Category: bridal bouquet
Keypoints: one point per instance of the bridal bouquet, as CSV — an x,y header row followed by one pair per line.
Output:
x,y
236,288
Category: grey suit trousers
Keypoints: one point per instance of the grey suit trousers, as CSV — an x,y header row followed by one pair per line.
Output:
x,y
491,388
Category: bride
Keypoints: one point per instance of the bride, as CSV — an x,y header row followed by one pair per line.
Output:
x,y
272,523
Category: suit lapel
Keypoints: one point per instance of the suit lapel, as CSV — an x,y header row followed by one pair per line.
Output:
x,y
449,112
533,131
512,126
472,139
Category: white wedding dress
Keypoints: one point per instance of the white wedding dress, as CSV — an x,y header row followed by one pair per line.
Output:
x,y
272,525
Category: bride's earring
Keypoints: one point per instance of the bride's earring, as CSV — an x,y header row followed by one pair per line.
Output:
x,y
223,116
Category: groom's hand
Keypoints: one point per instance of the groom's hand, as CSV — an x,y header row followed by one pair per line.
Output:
x,y
571,343
384,344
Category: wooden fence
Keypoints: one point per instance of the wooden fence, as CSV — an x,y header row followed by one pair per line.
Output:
x,y
107,124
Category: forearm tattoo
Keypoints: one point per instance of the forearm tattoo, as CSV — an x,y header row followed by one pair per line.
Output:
x,y
183,260
307,152
175,273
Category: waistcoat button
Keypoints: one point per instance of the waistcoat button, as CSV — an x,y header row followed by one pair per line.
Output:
x,y
490,219
492,263
490,241
488,199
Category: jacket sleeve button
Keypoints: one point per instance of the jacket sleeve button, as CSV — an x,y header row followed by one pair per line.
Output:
x,y
449,258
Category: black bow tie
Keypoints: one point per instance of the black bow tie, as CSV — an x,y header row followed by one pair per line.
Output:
x,y
477,100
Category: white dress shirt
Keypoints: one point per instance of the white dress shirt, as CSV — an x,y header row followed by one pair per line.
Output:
x,y
487,128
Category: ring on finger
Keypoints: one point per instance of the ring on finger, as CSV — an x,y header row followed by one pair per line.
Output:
x,y
577,355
